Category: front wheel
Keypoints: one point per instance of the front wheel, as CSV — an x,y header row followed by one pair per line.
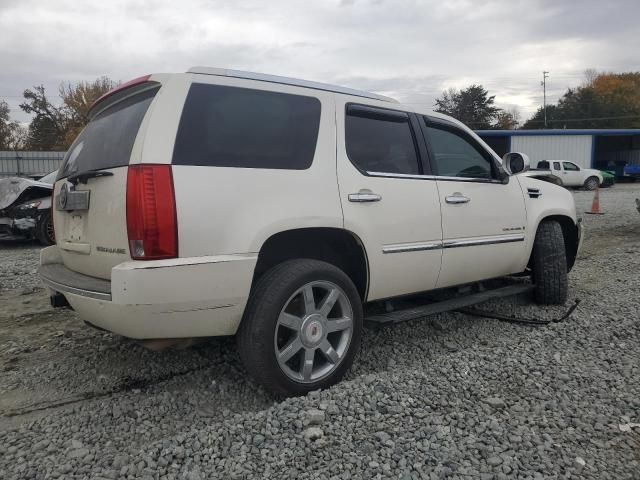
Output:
x,y
550,264
301,328
591,183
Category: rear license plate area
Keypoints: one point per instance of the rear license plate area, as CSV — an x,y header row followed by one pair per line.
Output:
x,y
69,200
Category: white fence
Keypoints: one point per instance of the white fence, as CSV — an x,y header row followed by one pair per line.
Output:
x,y
29,164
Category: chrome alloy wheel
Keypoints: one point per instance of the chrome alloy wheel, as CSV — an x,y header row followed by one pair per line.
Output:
x,y
313,332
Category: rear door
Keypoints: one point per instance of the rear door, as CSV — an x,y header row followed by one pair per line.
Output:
x,y
483,219
387,198
90,190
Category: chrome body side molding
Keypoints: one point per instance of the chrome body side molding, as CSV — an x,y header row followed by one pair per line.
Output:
x,y
456,243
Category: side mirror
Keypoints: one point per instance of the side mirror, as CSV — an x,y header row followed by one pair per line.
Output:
x,y
516,162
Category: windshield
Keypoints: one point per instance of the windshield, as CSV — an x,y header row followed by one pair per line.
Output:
x,y
107,140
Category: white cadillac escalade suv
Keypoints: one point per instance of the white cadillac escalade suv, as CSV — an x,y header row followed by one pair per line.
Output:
x,y
219,202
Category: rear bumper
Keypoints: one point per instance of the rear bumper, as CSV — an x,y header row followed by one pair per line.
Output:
x,y
178,298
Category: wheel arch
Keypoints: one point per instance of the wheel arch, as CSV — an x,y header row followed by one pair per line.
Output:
x,y
570,233
337,246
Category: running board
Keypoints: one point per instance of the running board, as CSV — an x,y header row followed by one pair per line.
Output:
x,y
455,303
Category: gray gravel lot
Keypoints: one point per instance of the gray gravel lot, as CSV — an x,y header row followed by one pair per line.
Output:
x,y
450,396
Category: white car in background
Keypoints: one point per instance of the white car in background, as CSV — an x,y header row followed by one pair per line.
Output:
x,y
217,202
571,175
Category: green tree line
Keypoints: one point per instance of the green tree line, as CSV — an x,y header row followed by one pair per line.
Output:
x,y
52,126
605,100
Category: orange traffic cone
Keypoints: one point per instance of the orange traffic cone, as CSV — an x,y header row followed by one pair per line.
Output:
x,y
595,205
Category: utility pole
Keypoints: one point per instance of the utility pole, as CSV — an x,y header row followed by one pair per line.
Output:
x,y
544,95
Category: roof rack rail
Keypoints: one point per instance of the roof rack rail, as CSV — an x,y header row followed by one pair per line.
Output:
x,y
223,72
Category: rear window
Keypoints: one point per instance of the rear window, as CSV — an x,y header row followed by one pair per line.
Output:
x,y
543,164
380,141
239,127
107,140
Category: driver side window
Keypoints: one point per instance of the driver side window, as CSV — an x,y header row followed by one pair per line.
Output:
x,y
570,166
456,155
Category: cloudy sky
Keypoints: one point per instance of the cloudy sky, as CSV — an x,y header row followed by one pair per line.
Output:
x,y
409,49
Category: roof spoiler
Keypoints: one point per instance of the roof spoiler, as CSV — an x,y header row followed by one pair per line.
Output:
x,y
124,86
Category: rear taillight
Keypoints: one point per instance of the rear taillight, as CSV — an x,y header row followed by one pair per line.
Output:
x,y
151,212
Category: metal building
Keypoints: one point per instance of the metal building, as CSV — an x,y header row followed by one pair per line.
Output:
x,y
609,149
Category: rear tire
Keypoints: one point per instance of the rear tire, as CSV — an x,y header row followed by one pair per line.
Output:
x,y
591,183
284,316
44,230
550,264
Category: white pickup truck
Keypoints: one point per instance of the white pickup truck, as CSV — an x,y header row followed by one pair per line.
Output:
x,y
568,174
218,202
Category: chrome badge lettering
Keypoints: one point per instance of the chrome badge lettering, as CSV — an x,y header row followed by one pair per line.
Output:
x,y
117,251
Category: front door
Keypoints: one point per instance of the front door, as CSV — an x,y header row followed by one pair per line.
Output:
x,y
387,199
571,175
483,218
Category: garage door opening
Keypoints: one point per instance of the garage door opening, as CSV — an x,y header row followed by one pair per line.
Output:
x,y
613,153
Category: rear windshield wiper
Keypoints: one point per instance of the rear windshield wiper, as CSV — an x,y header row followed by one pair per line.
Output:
x,y
84,176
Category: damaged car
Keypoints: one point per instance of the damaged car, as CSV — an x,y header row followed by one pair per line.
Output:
x,y
25,209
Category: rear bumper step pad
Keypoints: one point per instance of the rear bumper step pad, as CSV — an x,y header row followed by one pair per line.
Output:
x,y
59,278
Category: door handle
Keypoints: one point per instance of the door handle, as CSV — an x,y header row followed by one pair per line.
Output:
x,y
457,198
364,196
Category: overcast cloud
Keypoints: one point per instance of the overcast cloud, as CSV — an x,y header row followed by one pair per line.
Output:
x,y
411,50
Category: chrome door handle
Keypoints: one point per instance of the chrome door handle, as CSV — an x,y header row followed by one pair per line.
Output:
x,y
364,196
457,198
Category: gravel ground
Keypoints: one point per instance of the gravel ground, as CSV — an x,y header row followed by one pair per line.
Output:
x,y
450,396
18,264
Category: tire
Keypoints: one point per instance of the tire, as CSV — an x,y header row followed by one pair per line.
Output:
x,y
264,337
550,264
591,183
44,229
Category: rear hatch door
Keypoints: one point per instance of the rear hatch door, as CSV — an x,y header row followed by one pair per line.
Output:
x,y
90,191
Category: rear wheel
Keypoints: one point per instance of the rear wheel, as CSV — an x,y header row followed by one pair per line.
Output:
x,y
301,328
591,183
44,229
550,264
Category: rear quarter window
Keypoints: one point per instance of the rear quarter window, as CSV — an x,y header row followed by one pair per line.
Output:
x,y
238,127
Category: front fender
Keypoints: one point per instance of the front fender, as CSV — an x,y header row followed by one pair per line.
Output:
x,y
553,201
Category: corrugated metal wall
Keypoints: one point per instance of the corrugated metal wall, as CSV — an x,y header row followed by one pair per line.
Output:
x,y
575,148
26,164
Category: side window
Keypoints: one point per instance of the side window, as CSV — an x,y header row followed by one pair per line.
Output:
x,y
240,127
380,142
570,166
556,166
457,155
543,164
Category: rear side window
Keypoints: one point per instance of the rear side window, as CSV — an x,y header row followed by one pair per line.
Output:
x,y
378,140
543,164
556,166
239,127
107,140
